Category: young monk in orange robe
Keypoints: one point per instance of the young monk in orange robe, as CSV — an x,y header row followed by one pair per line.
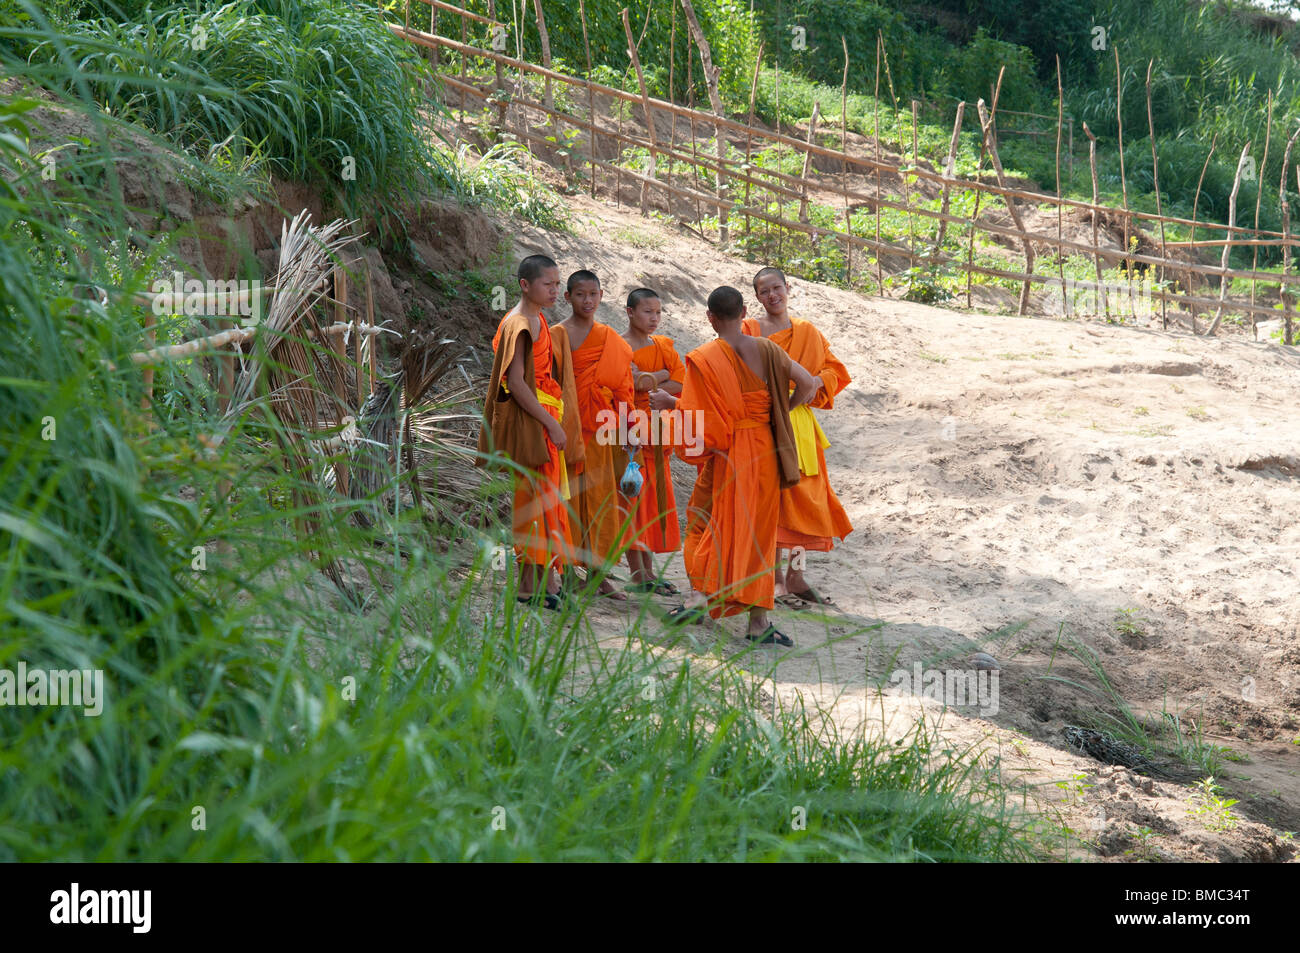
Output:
x,y
739,387
657,373
530,416
811,515
602,373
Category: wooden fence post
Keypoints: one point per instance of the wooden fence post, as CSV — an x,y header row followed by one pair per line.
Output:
x,y
225,373
492,14
1155,174
464,64
1060,209
949,171
151,338
749,133
1123,179
715,101
672,57
1096,214
340,350
880,276
548,96
807,161
844,164
1259,194
591,99
979,193
986,122
433,28
649,117
357,349
1286,236
1225,280
1196,202
366,358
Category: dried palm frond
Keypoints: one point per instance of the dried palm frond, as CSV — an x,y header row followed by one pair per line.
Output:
x,y
444,438
391,418
290,363
295,368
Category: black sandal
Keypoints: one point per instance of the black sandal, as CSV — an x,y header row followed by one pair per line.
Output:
x,y
770,636
683,615
549,602
662,587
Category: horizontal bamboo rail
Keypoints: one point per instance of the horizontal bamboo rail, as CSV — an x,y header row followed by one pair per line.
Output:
x,y
466,14
234,336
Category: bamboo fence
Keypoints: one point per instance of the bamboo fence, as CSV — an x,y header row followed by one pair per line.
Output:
x,y
728,180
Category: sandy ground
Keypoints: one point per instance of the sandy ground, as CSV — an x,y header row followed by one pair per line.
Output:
x,y
1017,484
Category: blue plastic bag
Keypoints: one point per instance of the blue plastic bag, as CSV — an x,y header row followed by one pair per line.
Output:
x,y
632,480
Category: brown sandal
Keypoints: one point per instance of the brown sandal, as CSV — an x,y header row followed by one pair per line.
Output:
x,y
810,595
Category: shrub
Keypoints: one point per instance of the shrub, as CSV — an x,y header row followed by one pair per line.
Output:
x,y
320,87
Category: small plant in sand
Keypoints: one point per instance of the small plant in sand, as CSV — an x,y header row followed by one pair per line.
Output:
x,y
1213,808
1198,413
1142,847
1074,788
1129,622
639,239
1140,412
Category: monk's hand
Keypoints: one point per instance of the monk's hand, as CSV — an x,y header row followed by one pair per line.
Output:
x,y
662,400
556,433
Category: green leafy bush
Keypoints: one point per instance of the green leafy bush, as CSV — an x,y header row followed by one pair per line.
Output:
x,y
727,24
320,87
974,73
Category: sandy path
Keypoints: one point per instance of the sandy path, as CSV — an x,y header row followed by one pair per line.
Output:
x,y
1015,482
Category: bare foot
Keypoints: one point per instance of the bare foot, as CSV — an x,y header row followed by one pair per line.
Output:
x,y
607,590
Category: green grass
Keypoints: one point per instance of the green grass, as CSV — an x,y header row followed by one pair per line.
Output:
x,y
498,179
320,88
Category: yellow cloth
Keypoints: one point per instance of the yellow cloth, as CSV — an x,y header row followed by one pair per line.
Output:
x,y
546,400
807,435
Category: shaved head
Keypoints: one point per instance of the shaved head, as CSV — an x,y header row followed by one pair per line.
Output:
x,y
764,272
531,268
726,303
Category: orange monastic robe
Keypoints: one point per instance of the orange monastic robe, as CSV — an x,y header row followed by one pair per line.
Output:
x,y
654,511
811,514
603,374
541,518
730,546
